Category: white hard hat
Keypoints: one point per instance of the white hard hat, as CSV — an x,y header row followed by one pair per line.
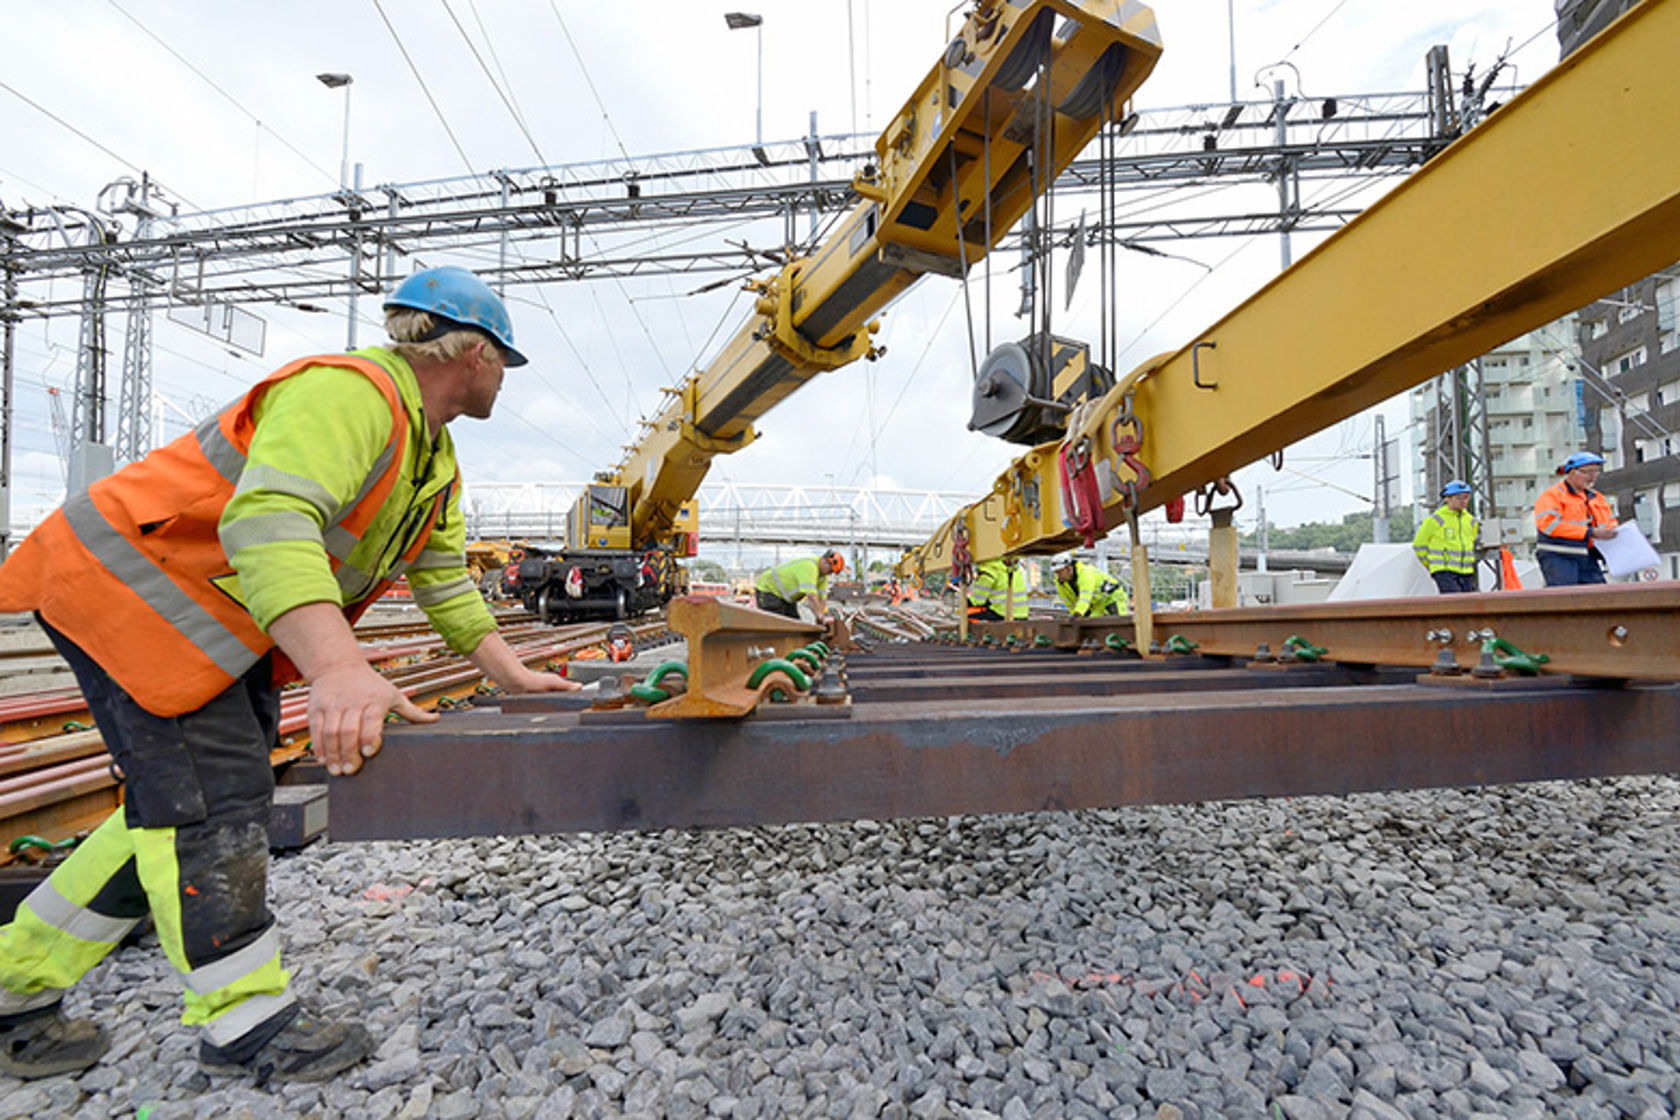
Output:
x,y
1063,559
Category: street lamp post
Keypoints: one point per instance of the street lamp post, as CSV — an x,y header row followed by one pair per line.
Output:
x,y
344,81
739,21
341,81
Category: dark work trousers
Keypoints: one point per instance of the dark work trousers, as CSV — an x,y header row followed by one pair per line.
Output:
x,y
1454,583
775,604
207,775
1564,569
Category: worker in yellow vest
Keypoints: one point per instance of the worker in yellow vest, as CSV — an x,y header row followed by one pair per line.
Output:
x,y
1446,541
1087,591
184,591
999,586
780,589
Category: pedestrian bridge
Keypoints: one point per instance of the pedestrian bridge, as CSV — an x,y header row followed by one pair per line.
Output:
x,y
866,518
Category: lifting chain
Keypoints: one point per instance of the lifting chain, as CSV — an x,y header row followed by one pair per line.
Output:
x,y
962,560
1127,445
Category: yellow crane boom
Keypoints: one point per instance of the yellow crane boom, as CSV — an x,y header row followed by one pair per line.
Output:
x,y
1018,92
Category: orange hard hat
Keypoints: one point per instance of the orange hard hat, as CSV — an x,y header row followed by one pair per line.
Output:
x,y
836,561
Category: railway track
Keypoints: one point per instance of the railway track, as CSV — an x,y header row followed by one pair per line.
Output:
x,y
1057,714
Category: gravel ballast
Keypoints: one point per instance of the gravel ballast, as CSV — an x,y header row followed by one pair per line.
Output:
x,y
1507,952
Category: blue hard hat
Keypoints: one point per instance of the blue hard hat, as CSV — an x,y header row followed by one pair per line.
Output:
x,y
1582,459
1456,486
454,293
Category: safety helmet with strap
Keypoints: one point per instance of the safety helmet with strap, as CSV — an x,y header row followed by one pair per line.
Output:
x,y
455,294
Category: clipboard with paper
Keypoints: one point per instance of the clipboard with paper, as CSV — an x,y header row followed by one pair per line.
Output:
x,y
1627,552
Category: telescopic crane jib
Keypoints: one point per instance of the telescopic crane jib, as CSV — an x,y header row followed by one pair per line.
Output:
x,y
1018,92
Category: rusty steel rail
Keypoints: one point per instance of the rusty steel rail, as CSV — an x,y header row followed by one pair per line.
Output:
x,y
727,642
1619,631
534,767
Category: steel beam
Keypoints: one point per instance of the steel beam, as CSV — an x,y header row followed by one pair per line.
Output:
x,y
1121,678
561,772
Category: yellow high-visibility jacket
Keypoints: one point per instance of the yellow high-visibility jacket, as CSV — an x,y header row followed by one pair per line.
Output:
x,y
1446,541
1093,592
793,580
999,587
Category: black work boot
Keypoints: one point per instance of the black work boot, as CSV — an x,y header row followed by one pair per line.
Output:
x,y
290,1046
44,1043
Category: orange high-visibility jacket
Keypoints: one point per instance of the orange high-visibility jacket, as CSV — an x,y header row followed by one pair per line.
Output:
x,y
1565,518
129,571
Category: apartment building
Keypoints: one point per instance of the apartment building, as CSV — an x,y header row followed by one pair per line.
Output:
x,y
1630,345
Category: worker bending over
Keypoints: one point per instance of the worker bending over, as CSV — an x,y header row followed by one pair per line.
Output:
x,y
1087,590
999,586
780,589
1446,541
184,591
1570,516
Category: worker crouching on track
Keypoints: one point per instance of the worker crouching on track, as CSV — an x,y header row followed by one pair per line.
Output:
x,y
1087,590
780,589
168,586
1570,516
999,586
1446,541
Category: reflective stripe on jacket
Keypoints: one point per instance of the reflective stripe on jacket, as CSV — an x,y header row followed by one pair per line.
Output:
x,y
1446,541
136,571
994,581
792,581
1565,518
1093,592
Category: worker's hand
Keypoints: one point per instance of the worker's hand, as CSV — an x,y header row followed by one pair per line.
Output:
x,y
529,680
1603,532
347,709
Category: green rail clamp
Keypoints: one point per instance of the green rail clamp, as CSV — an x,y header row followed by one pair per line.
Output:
x,y
648,689
811,659
42,844
71,725
1042,641
1116,643
1303,649
1178,643
1507,656
794,674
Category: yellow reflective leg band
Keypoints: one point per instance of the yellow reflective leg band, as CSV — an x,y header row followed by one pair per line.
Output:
x,y
55,938
160,873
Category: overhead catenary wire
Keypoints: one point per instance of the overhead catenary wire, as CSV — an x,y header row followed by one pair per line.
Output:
x,y
424,88
583,68
58,120
471,170
211,82
518,120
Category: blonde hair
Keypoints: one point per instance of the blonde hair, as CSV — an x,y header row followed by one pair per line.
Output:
x,y
407,326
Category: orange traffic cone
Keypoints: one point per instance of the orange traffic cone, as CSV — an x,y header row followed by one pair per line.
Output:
x,y
1508,580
